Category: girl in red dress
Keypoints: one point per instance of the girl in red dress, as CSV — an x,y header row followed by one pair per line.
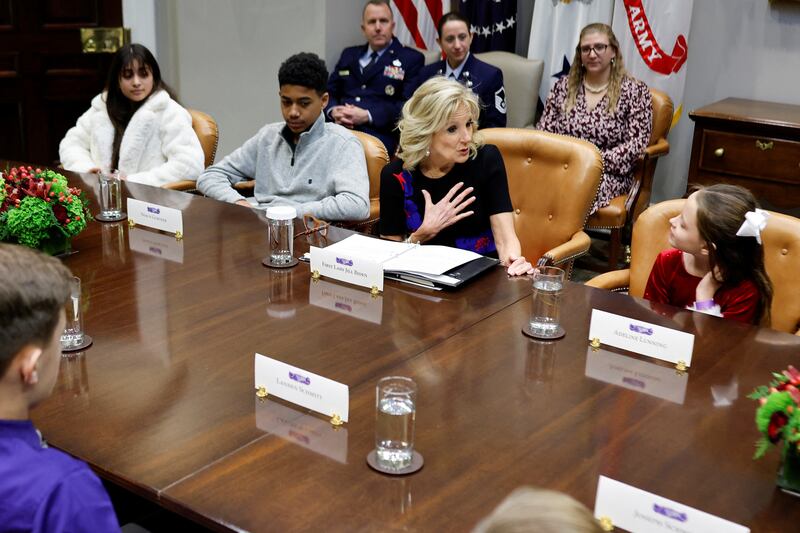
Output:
x,y
717,263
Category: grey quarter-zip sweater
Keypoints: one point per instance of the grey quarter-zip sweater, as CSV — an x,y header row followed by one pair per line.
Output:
x,y
324,174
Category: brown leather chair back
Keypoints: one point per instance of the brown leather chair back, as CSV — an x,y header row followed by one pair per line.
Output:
x,y
553,180
662,116
377,157
663,109
650,238
206,129
781,240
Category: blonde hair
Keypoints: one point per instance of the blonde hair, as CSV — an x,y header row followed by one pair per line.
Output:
x,y
618,72
534,510
428,111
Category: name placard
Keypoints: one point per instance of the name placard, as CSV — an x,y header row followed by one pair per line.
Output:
x,y
346,300
301,387
347,267
642,337
635,374
304,430
633,509
156,244
155,216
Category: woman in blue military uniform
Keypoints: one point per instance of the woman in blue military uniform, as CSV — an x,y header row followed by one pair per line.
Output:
x,y
367,85
485,80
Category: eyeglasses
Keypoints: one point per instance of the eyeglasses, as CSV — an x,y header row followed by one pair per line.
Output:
x,y
313,225
597,49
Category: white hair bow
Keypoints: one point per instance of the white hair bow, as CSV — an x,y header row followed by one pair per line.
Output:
x,y
754,223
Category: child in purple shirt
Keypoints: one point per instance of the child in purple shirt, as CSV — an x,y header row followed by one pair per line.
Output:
x,y
41,489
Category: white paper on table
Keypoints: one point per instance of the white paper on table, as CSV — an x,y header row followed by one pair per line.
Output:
x,y
404,257
377,250
642,512
430,259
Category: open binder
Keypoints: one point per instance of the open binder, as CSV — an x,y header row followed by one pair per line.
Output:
x,y
430,266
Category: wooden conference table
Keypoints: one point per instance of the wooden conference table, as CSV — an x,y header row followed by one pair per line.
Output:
x,y
163,403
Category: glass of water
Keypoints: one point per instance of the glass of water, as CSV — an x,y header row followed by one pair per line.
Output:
x,y
281,239
110,195
395,409
73,330
548,284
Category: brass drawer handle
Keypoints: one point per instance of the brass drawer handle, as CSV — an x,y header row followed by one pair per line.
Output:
x,y
719,152
761,145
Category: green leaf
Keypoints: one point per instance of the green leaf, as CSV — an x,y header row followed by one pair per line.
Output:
x,y
762,445
762,391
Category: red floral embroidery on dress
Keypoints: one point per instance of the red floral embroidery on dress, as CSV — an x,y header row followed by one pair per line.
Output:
x,y
621,137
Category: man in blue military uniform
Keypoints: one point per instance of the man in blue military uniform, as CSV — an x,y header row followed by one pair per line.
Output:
x,y
367,85
485,80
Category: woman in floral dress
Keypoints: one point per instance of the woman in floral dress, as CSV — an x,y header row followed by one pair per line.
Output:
x,y
599,102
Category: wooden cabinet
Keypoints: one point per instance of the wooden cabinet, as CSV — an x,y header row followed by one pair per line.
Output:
x,y
749,143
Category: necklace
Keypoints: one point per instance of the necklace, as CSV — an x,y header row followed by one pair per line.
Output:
x,y
595,90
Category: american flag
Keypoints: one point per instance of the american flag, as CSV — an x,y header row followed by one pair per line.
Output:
x,y
416,20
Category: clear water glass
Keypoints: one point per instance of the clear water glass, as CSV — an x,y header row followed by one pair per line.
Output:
x,y
110,195
281,238
395,412
548,284
73,329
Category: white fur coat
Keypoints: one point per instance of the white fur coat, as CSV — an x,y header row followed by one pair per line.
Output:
x,y
159,145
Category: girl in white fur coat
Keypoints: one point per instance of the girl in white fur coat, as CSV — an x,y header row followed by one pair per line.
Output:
x,y
134,126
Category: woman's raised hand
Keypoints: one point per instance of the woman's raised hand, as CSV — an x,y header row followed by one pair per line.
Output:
x,y
445,212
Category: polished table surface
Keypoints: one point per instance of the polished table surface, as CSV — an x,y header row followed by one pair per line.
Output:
x,y
167,387
163,402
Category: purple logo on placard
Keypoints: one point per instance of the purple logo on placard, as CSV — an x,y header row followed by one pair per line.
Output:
x,y
339,305
634,382
641,329
155,250
345,262
670,513
300,378
154,210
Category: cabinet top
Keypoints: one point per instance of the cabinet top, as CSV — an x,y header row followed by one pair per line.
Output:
x,y
754,111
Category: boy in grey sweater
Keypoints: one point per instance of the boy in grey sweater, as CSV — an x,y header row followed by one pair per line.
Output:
x,y
314,166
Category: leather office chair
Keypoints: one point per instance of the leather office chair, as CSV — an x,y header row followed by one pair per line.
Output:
x,y
781,240
553,180
377,158
623,210
521,78
207,132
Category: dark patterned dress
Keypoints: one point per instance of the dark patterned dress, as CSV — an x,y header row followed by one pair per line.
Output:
x,y
621,137
403,206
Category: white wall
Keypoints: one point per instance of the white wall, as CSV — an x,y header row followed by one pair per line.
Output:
x,y
342,28
222,56
737,48
140,17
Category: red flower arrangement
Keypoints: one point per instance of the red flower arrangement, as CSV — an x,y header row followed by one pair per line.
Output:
x,y
39,209
778,416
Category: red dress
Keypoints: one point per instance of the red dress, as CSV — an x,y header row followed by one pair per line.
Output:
x,y
670,283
